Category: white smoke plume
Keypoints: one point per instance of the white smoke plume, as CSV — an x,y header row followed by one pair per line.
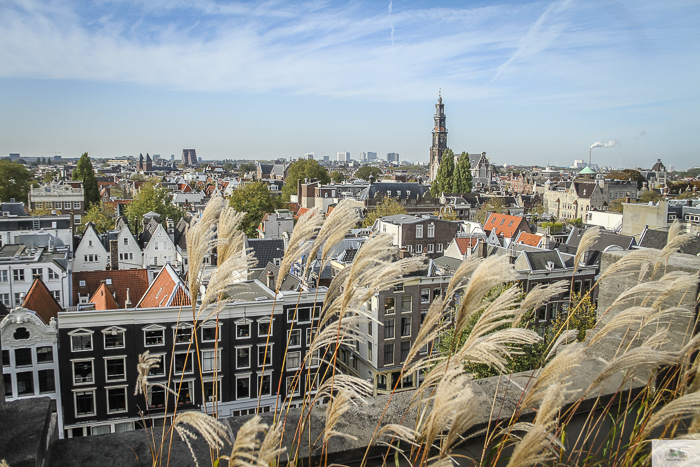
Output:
x,y
610,144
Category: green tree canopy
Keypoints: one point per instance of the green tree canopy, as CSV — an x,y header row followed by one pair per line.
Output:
x,y
337,177
462,180
103,216
247,167
649,195
228,166
15,181
86,174
255,200
628,174
388,206
299,170
151,199
367,171
497,205
443,180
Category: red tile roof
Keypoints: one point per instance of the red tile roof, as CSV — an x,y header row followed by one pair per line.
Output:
x,y
529,239
466,243
506,225
135,280
40,300
167,289
103,299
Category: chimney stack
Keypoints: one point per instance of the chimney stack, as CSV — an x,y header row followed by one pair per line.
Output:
x,y
127,302
270,280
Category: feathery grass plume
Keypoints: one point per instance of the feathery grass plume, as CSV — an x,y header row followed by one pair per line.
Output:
x,y
565,338
338,405
636,258
298,243
200,237
213,431
433,326
539,295
146,362
343,218
639,359
630,317
536,447
685,406
555,371
243,453
674,231
346,332
394,431
589,237
224,276
270,447
500,311
231,240
678,283
490,272
493,349
464,271
358,388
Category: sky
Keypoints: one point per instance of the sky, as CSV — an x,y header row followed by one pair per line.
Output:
x,y
525,81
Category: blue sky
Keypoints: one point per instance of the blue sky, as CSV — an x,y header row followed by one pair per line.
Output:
x,y
525,81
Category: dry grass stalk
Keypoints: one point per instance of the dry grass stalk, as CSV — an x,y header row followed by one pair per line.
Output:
x,y
463,272
146,363
339,404
247,443
226,274
213,431
231,240
588,239
200,237
630,317
640,359
554,372
633,260
400,432
684,406
299,242
540,295
565,338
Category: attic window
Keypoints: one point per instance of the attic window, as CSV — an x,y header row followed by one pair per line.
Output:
x,y
108,281
511,223
502,221
494,220
82,283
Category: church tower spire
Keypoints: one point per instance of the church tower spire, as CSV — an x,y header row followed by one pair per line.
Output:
x,y
439,137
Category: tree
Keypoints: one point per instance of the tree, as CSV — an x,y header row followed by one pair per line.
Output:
x,y
299,170
255,200
365,172
85,173
102,215
496,205
386,207
247,167
615,205
462,180
152,199
447,215
15,181
628,174
228,167
443,180
337,177
649,195
50,176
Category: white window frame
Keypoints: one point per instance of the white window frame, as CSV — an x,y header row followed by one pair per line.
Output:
x,y
119,357
439,248
76,204
419,248
250,387
160,368
431,230
314,360
266,320
217,381
126,399
289,338
250,359
80,360
81,332
75,402
289,380
241,323
430,248
259,379
216,357
153,327
186,383
288,367
112,331
181,326
53,275
419,231
190,360
269,354
210,326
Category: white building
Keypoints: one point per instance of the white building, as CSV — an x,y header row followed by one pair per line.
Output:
x,y
159,250
91,254
274,225
55,196
130,254
19,266
344,156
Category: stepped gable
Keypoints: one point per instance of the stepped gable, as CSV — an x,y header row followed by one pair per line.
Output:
x,y
40,300
167,289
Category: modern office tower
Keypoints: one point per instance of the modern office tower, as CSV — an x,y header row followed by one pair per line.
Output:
x,y
344,156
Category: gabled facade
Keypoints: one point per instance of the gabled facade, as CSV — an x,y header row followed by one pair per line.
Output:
x,y
91,254
159,250
419,235
502,229
167,289
130,255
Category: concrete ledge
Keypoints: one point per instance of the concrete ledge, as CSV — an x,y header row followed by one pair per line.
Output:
x,y
27,433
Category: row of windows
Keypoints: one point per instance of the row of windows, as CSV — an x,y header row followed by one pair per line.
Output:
x,y
25,356
431,231
18,275
26,383
405,327
57,205
302,315
5,298
429,248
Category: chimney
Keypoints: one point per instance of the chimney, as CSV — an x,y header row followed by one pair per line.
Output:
x,y
270,280
481,249
299,191
127,302
114,254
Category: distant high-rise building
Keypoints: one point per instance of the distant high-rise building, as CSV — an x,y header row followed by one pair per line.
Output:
x,y
393,157
363,156
309,155
327,158
371,156
14,157
172,157
189,157
344,156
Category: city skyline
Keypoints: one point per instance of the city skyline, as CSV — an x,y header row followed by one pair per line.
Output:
x,y
526,82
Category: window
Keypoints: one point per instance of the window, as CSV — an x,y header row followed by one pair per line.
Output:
x,y
266,385
439,248
437,291
3,276
53,275
57,295
18,299
406,302
264,355
242,387
23,357
156,396
154,336
293,360
76,220
312,383
37,273
89,242
126,242
25,383
115,369
292,386
82,372
242,357
294,338
114,338
39,205
182,333
425,296
431,230
264,328
388,329
81,341
243,329
76,204
406,326
116,400
389,305
405,348
84,403
159,368
183,362
209,334
389,354
185,393
309,336
370,328
419,231
369,351
430,248
82,283
419,248
5,357
212,391
18,274
315,359
5,299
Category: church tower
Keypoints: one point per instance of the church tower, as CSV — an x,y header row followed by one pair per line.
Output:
x,y
439,138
